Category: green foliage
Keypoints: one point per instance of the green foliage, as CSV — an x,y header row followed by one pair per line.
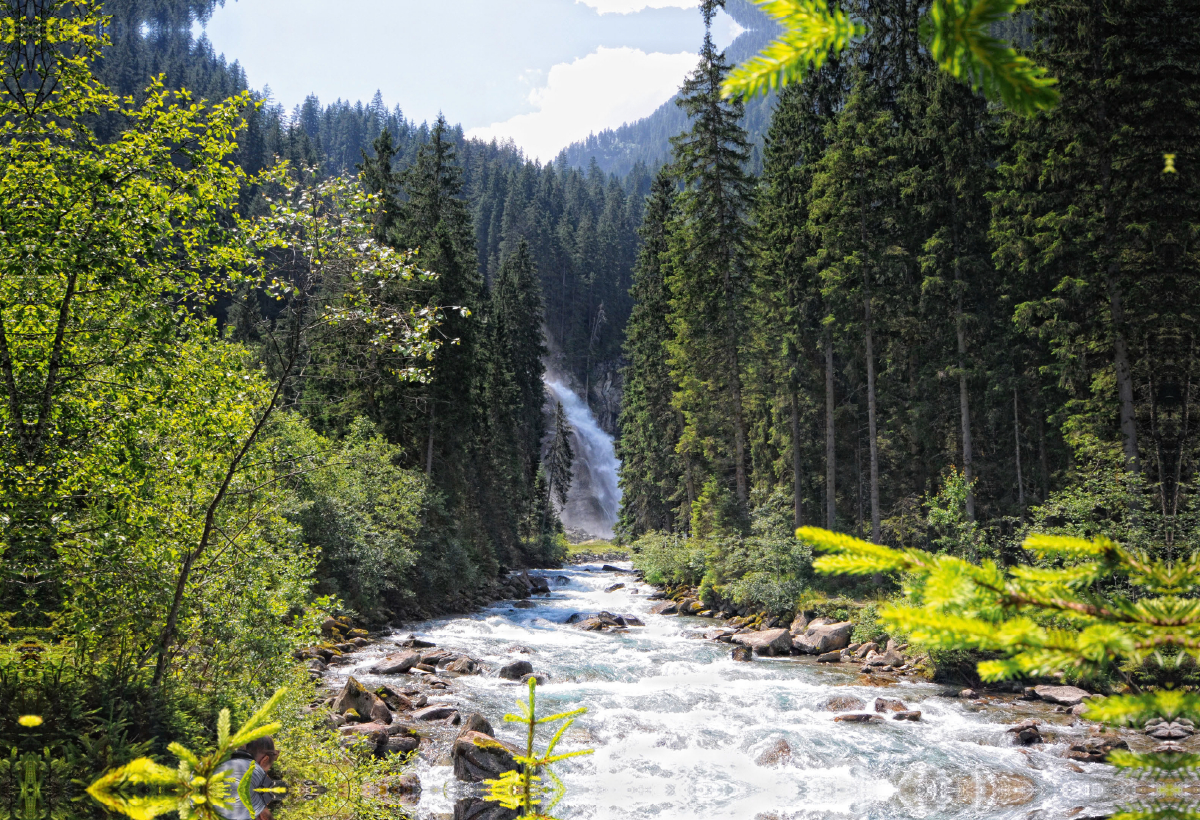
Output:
x,y
361,511
951,528
961,42
812,32
959,36
1066,614
523,789
192,789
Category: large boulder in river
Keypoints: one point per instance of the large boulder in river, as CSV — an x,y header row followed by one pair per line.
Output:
x,y
664,608
799,624
367,704
478,757
439,711
769,642
1062,695
476,808
820,638
396,664
476,722
515,670
742,653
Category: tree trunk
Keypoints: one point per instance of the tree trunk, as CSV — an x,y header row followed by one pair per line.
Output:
x,y
1043,460
1017,439
830,441
429,444
1124,376
739,435
964,405
797,495
872,422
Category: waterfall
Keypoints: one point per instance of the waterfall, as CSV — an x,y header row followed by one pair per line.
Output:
x,y
595,497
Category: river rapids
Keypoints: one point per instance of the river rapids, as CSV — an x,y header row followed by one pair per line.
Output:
x,y
680,730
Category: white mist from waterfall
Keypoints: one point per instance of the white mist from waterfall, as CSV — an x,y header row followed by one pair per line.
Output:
x,y
595,496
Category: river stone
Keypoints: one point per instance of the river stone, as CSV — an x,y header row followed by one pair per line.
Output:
x,y
799,624
889,705
689,605
463,666
830,657
398,745
413,642
368,705
541,679
907,715
665,608
968,694
632,620
610,568
515,670
524,605
742,653
843,703
476,722
1094,749
769,642
820,638
858,718
614,587
866,649
1025,733
478,757
439,711
1062,695
779,752
476,808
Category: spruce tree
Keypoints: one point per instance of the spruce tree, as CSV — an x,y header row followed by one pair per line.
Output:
x,y
560,457
513,393
787,325
854,214
435,220
649,422
709,278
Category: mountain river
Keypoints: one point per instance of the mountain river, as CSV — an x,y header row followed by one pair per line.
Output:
x,y
680,730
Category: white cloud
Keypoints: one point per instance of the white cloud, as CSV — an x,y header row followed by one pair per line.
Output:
x,y
629,6
605,89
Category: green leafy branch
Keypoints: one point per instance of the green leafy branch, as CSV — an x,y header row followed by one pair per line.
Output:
x,y
523,789
811,34
959,39
143,789
955,604
956,31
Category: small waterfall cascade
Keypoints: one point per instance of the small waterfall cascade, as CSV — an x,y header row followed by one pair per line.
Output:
x,y
595,496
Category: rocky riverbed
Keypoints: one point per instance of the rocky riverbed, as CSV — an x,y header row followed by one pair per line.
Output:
x,y
693,716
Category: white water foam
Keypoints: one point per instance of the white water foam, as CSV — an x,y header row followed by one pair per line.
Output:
x,y
680,729
595,496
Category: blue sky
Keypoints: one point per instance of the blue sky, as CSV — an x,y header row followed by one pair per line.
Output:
x,y
543,72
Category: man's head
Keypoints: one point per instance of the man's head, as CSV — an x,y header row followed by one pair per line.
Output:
x,y
263,752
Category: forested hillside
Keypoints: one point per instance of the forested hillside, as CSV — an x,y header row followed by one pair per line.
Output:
x,y
521,248
931,322
648,141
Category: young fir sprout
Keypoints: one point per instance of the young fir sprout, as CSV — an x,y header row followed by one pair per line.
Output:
x,y
524,789
192,790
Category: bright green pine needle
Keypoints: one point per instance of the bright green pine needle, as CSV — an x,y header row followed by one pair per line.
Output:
x,y
811,33
959,38
958,33
956,605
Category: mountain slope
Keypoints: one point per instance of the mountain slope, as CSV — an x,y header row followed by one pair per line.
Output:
x,y
648,141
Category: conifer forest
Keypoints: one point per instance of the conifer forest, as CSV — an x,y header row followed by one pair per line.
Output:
x,y
869,357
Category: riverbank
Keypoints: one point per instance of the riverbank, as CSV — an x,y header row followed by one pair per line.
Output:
x,y
668,701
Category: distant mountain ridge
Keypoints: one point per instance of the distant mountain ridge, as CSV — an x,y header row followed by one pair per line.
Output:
x,y
648,141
